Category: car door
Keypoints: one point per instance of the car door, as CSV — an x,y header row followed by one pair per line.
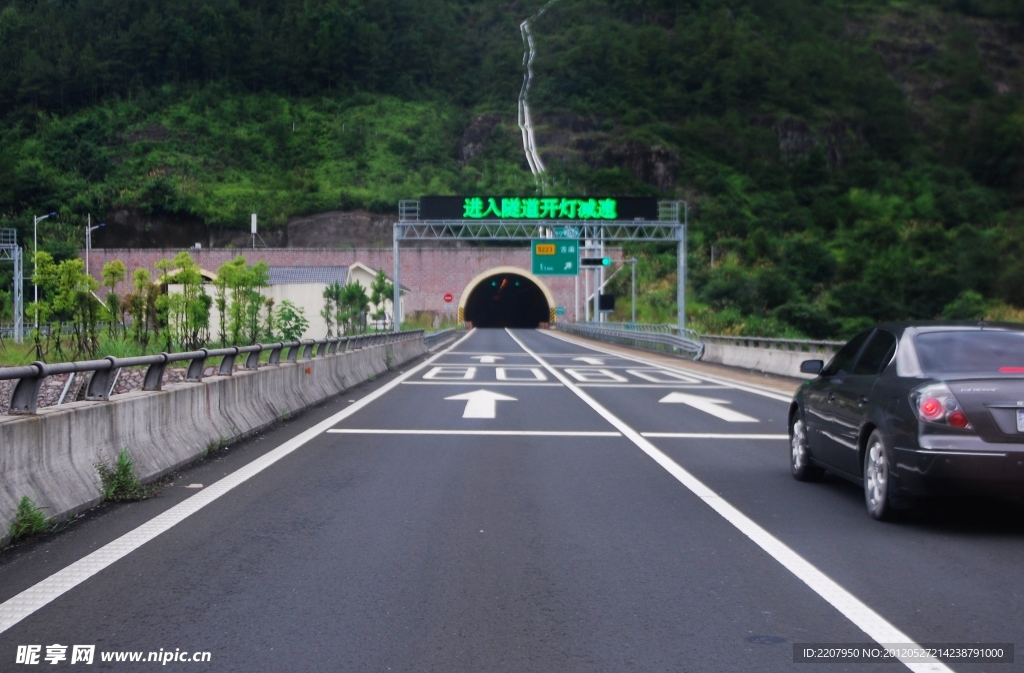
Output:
x,y
852,397
819,409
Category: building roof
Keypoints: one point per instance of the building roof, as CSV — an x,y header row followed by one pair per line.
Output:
x,y
298,275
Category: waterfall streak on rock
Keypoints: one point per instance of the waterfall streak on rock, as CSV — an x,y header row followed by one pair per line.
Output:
x,y
525,122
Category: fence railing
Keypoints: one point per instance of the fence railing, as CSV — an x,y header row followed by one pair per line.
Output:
x,y
656,329
650,340
440,336
29,378
666,337
792,345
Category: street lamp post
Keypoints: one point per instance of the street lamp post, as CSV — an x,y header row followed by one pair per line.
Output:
x,y
35,254
88,240
681,269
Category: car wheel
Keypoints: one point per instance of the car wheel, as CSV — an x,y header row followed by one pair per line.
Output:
x,y
878,486
799,456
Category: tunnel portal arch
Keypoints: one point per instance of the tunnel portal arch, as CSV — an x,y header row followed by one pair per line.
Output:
x,y
506,296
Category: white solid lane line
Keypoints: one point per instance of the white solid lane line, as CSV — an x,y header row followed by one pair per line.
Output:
x,y
851,607
494,433
35,597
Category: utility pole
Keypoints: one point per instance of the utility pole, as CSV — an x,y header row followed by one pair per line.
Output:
x,y
681,268
632,286
88,239
35,253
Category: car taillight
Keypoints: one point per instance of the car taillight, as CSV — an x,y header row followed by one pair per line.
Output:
x,y
934,403
931,409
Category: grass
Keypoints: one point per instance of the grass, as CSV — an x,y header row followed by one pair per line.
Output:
x,y
28,520
215,445
426,322
119,482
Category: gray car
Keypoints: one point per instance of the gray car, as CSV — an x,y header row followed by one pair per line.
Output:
x,y
915,409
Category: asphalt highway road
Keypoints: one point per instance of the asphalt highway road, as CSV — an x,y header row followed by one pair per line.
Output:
x,y
518,502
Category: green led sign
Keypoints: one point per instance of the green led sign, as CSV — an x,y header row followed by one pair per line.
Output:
x,y
564,210
529,208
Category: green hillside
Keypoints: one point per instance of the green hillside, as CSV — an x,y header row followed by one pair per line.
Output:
x,y
845,161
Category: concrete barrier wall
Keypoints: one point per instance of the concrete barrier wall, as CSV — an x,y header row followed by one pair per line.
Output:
x,y
50,457
768,360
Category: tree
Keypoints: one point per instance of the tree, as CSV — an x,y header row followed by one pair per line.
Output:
x,y
381,292
291,321
113,273
257,279
233,275
245,284
220,300
138,305
332,306
355,303
70,304
188,310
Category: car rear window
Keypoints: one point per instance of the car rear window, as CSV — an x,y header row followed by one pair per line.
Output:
x,y
975,351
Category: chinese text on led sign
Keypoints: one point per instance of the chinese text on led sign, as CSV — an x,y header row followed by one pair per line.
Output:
x,y
540,208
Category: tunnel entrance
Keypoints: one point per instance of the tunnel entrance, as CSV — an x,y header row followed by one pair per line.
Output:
x,y
507,299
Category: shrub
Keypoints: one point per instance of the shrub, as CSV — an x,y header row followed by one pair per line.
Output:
x,y
28,520
119,480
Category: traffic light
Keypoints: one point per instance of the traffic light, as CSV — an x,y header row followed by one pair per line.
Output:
x,y
595,261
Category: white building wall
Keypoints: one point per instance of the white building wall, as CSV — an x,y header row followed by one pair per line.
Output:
x,y
308,296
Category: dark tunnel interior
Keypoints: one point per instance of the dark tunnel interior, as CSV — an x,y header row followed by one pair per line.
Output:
x,y
507,300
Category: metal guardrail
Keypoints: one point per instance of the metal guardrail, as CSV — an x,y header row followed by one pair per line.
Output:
x,y
650,340
792,345
440,336
656,329
657,337
24,397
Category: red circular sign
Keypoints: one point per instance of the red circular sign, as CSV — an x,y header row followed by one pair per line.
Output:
x,y
448,298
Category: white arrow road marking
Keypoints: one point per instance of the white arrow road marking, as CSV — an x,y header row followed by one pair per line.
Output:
x,y
487,359
589,361
709,406
481,403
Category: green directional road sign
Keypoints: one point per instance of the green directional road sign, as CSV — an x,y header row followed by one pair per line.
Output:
x,y
554,257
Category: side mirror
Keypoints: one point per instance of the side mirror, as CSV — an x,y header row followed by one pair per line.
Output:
x,y
812,366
